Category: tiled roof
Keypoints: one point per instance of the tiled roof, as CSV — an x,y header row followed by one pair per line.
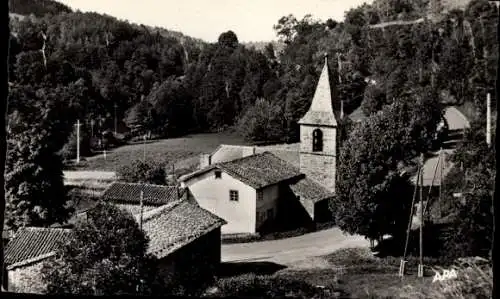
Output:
x,y
130,193
227,152
258,171
172,226
321,110
31,244
310,190
135,209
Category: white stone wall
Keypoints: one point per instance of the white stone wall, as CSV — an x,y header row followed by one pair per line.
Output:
x,y
26,279
319,166
213,195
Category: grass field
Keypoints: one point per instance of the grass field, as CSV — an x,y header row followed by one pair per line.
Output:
x,y
183,151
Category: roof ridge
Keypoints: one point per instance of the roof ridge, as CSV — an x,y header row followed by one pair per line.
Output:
x,y
159,210
247,157
142,184
44,228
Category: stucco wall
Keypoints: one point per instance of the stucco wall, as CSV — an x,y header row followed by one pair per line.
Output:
x,y
26,279
213,195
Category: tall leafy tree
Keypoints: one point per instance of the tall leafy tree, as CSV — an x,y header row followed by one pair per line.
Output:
x,y
107,255
33,177
373,193
3,132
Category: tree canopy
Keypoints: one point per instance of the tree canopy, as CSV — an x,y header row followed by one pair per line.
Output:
x,y
106,255
373,192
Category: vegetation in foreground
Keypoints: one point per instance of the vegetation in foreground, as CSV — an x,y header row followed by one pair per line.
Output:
x,y
356,273
106,256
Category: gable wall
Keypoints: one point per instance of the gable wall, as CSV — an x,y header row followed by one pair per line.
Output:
x,y
213,195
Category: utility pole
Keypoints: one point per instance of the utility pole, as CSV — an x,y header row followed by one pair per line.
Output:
x,y
488,119
78,141
144,158
141,200
421,260
92,123
440,160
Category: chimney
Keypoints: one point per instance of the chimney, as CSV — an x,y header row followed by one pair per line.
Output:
x,y
205,160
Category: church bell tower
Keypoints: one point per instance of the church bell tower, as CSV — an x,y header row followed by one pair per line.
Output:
x,y
318,135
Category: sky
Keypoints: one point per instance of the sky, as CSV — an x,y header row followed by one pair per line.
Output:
x,y
251,20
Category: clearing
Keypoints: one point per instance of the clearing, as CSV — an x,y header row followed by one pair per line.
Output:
x,y
182,151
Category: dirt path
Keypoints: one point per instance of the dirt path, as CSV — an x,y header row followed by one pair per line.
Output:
x,y
292,252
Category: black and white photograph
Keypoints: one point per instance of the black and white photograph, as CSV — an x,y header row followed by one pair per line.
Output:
x,y
249,148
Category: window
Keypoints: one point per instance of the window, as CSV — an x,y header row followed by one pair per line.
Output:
x,y
317,140
233,195
218,174
270,213
260,196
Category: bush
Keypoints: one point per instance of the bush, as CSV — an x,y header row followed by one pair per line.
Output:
x,y
475,280
68,152
252,285
143,172
106,254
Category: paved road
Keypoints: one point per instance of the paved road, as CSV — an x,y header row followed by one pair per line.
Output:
x,y
292,251
456,121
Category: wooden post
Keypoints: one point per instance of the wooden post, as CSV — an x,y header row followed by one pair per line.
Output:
x,y
421,260
78,141
144,158
141,209
116,121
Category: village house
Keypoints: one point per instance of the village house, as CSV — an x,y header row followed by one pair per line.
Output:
x,y
184,237
127,196
25,254
250,189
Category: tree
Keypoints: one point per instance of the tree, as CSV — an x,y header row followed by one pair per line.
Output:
x,y
139,171
106,255
68,152
33,177
373,193
262,122
228,39
4,98
473,176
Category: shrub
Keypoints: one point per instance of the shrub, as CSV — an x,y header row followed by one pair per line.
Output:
x,y
68,152
266,286
475,280
143,172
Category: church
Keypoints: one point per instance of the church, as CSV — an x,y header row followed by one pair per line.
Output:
x,y
251,190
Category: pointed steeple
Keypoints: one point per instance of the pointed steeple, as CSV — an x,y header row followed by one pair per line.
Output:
x,y
321,110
